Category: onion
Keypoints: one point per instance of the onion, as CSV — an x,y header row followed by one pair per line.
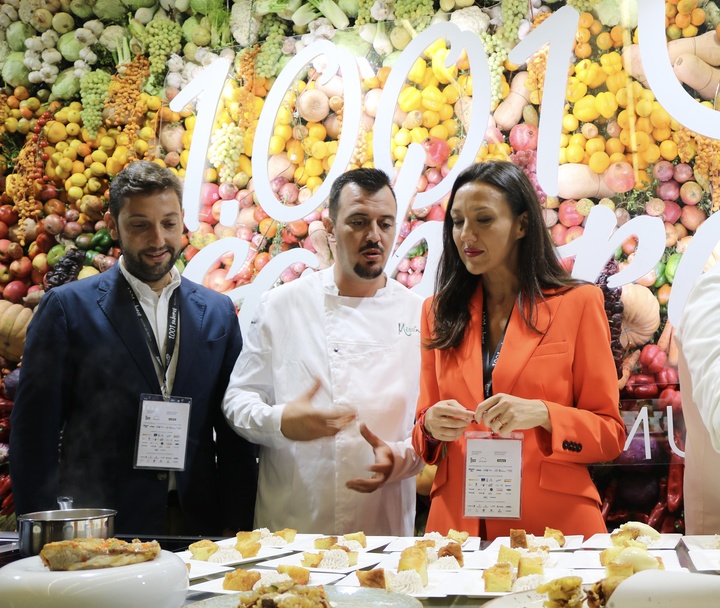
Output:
x,y
371,103
227,190
53,223
404,230
414,279
277,182
298,268
683,172
172,159
288,275
71,230
332,88
404,265
259,240
304,195
668,191
402,278
418,263
313,105
333,126
245,198
171,137
312,217
622,216
434,176
100,225
671,212
72,215
244,233
289,193
422,184
279,164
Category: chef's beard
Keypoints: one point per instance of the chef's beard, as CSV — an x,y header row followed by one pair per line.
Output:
x,y
365,272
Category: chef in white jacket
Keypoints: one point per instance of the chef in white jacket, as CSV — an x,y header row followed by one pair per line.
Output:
x,y
698,336
327,381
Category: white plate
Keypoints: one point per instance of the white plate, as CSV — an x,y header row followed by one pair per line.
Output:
x,y
264,553
216,585
160,583
341,597
365,560
392,560
572,542
708,541
705,560
521,599
200,569
602,541
471,584
591,559
372,542
403,542
441,583
488,557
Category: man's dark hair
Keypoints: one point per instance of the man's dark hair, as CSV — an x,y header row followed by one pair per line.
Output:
x,y
141,177
370,180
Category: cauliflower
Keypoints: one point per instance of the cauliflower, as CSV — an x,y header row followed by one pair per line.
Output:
x,y
472,19
112,36
610,14
713,14
382,10
244,24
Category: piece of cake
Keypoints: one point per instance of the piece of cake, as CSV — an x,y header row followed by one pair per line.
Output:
x,y
599,594
252,536
518,539
640,529
556,534
358,537
619,538
458,536
352,555
203,549
622,570
287,534
325,542
565,592
248,548
530,565
498,578
511,556
374,578
425,543
299,574
240,580
608,555
311,560
415,558
452,549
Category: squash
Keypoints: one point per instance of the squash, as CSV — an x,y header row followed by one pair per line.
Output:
x,y
577,180
698,75
510,110
641,315
14,319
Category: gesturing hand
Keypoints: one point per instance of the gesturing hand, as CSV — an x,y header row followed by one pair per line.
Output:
x,y
447,420
302,422
384,462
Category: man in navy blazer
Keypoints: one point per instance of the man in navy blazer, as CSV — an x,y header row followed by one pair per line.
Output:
x,y
88,359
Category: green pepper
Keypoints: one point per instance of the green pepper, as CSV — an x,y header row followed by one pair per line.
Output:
x,y
660,274
55,253
102,241
84,240
90,255
180,264
671,266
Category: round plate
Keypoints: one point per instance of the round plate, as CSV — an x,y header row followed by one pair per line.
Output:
x,y
160,583
341,597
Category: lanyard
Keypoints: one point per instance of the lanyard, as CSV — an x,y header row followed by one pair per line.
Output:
x,y
152,344
489,361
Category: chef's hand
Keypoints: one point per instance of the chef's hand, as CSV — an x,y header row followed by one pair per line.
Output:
x,y
302,422
447,420
384,462
504,414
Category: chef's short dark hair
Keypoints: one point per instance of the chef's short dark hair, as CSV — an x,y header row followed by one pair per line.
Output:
x,y
369,180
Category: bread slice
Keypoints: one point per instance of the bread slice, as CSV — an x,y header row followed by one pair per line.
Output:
x,y
299,574
203,549
556,534
518,539
248,548
415,558
608,555
530,565
505,554
287,534
452,549
359,537
498,578
372,578
240,580
458,536
325,542
623,570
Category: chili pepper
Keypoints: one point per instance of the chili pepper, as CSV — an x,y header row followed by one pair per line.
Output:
x,y
675,482
658,512
660,274
622,515
652,359
101,241
8,505
671,524
4,484
642,386
608,499
671,266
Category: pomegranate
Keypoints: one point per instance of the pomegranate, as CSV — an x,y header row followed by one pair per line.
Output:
x,y
620,177
437,151
524,137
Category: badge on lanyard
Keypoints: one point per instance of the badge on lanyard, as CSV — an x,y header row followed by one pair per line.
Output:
x,y
493,475
162,432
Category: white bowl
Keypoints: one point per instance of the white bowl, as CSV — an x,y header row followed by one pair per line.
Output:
x,y
160,583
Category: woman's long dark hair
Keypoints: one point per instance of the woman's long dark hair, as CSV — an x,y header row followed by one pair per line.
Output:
x,y
539,266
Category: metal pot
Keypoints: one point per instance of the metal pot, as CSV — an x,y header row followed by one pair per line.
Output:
x,y
42,527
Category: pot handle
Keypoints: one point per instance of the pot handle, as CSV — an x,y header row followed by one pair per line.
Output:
x,y
65,502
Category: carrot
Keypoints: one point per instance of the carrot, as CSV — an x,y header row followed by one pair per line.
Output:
x,y
672,359
665,336
698,75
628,365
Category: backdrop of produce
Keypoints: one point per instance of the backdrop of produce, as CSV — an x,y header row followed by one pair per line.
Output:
x,y
87,87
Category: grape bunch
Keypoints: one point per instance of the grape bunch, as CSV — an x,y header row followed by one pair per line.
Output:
x,y
94,90
527,161
162,37
273,31
226,146
497,53
512,12
418,12
66,269
614,311
583,6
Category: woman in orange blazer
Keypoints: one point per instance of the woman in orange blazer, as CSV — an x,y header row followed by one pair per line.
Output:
x,y
513,344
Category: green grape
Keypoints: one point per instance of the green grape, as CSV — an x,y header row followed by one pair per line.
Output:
x,y
273,31
497,53
226,145
512,11
418,12
364,12
583,6
94,89
162,37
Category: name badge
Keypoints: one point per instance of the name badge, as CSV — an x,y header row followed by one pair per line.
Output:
x,y
493,475
162,432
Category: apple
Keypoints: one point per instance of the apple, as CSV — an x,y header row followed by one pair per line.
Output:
x,y
691,192
21,267
5,275
15,291
574,232
3,230
569,214
558,233
8,215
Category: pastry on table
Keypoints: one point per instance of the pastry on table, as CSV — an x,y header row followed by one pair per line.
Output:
x,y
498,578
247,548
374,578
608,555
240,580
287,534
299,574
352,555
92,553
565,592
518,539
639,558
415,558
203,549
311,560
505,554
530,565
556,534
252,536
358,537
284,595
325,542
458,536
425,543
622,570
599,594
452,549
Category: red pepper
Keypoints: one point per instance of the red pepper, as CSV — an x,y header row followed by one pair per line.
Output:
x,y
608,499
652,359
675,482
666,378
642,386
658,512
5,487
5,406
672,525
8,505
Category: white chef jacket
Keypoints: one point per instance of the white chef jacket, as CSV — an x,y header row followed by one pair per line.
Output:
x,y
698,336
366,352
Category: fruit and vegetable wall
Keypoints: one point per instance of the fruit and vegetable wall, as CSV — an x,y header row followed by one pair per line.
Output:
x,y
607,105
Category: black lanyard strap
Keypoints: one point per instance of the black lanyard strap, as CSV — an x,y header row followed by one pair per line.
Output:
x,y
490,361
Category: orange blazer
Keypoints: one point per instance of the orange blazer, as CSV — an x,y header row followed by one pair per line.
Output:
x,y
571,369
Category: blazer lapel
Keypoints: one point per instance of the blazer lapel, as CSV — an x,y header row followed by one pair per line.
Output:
x,y
115,302
469,354
520,343
192,313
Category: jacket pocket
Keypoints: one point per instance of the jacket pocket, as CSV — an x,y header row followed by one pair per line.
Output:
x,y
551,348
568,478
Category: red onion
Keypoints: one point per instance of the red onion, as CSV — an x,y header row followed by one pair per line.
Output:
x,y
72,215
312,217
663,170
414,279
298,268
277,183
683,172
668,191
402,278
418,263
404,229
245,198
622,216
258,240
415,223
672,211
244,233
53,223
107,263
422,183
227,190
445,169
71,230
433,175
289,193
100,225
288,275
404,265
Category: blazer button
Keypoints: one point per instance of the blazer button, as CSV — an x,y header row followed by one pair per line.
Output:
x,y
579,447
162,476
565,445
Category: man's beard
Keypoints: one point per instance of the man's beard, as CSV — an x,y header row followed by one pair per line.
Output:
x,y
146,273
367,273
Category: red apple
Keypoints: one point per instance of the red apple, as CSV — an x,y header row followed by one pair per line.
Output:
x,y
691,192
22,267
574,232
15,291
558,233
569,214
8,215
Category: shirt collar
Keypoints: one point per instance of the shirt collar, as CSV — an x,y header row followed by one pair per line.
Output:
x,y
331,288
143,290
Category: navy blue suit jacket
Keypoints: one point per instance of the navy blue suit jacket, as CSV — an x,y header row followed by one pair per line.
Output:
x,y
73,426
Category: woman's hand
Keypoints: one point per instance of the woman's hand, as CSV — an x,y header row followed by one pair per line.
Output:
x,y
504,414
447,420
